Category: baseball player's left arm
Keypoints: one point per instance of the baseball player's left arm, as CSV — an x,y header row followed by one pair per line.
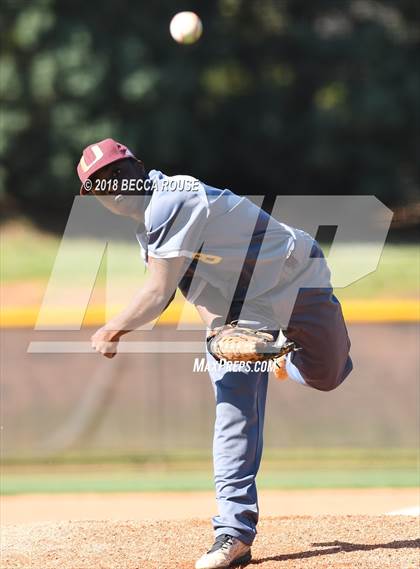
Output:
x,y
151,300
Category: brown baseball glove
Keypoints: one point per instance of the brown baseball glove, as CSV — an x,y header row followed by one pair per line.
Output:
x,y
239,344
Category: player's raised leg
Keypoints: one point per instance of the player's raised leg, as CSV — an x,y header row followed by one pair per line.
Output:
x,y
317,326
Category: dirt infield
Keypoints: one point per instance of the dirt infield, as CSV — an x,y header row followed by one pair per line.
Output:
x,y
158,506
298,542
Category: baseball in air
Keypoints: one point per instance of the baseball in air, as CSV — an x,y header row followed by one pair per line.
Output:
x,y
186,27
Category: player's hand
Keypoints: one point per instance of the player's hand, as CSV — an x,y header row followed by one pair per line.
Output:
x,y
105,342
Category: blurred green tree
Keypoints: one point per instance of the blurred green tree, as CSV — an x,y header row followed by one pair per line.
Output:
x,y
278,97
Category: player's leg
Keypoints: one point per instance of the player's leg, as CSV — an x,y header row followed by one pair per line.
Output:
x,y
318,328
237,448
316,325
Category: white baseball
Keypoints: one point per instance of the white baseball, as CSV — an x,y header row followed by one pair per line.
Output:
x,y
186,27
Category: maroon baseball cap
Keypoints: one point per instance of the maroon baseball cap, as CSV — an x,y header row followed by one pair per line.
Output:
x,y
97,155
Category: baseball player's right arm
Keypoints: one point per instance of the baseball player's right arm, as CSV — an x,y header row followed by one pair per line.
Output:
x,y
150,301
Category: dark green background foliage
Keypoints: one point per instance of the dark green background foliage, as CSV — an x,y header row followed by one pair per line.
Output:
x,y
278,97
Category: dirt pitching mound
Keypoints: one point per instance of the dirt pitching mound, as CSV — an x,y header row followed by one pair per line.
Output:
x,y
299,542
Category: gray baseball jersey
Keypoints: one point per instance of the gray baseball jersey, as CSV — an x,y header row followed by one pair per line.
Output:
x,y
219,231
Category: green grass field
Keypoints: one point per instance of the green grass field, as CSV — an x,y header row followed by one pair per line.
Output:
x,y
299,469
28,255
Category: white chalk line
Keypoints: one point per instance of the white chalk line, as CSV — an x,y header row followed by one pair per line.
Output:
x,y
410,511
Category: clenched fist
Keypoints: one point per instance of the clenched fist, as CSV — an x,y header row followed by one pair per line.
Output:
x,y
105,342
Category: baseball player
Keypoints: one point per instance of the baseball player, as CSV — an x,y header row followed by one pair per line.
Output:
x,y
197,238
